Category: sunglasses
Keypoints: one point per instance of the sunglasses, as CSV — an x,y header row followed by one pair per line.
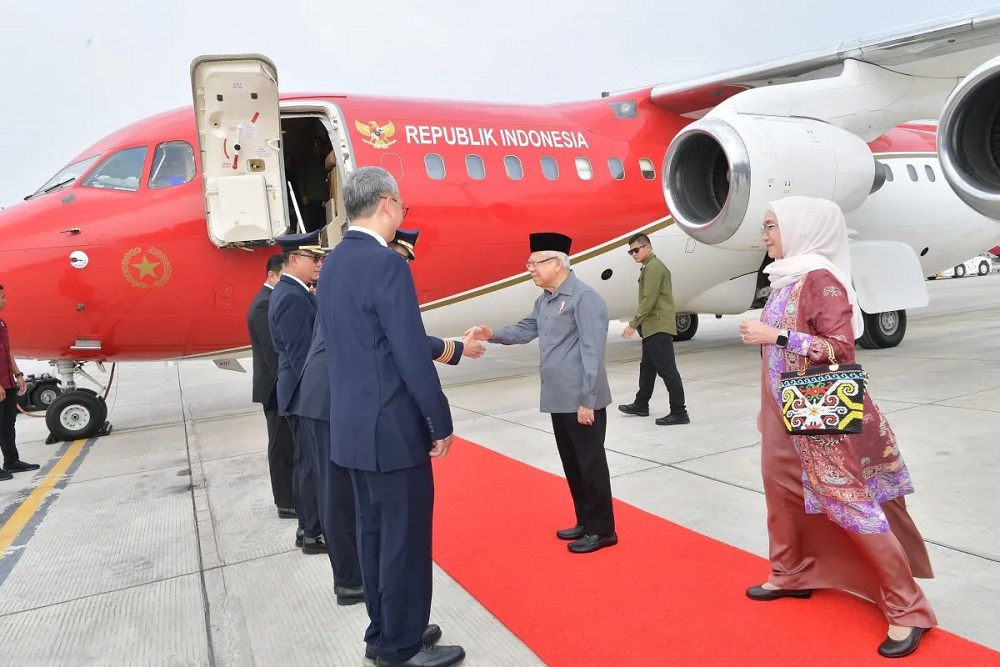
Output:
x,y
635,251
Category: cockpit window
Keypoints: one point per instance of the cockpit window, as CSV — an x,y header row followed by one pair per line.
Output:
x,y
120,171
173,164
66,176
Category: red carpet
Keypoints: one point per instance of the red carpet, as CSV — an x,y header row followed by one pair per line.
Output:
x,y
664,596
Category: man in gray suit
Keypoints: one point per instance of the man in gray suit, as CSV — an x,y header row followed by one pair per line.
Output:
x,y
570,321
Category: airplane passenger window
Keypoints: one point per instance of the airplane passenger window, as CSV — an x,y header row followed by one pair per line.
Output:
x,y
912,172
550,168
647,168
888,172
512,164
474,165
119,171
930,173
173,164
616,168
434,165
392,164
583,169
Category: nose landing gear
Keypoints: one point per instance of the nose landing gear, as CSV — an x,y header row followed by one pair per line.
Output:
x,y
77,412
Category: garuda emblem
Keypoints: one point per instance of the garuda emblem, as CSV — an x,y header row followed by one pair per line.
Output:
x,y
375,135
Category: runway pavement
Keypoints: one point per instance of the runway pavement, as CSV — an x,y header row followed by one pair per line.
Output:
x,y
159,544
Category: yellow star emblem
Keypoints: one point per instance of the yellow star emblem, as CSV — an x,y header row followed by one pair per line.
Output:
x,y
146,267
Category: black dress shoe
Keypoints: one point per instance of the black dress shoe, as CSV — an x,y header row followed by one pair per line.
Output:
x,y
429,656
313,545
589,543
635,409
298,539
20,466
349,595
286,513
574,533
432,635
673,419
4,476
765,595
897,648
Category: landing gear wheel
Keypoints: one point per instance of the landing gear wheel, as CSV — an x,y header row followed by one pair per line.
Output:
x,y
76,414
43,395
883,330
687,326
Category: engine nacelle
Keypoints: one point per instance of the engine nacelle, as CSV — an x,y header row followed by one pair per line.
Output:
x,y
721,171
968,139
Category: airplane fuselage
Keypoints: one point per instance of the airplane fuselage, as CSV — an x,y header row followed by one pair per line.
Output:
x,y
137,278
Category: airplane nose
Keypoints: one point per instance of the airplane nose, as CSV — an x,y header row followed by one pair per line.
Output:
x,y
32,249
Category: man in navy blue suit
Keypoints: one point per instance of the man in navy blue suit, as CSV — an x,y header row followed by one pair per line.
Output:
x,y
291,315
310,407
388,418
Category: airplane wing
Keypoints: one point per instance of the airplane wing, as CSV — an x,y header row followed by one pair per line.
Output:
x,y
946,49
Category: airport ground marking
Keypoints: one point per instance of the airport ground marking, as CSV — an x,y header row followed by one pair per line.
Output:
x,y
23,514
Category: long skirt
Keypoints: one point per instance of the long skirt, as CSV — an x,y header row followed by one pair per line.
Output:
x,y
809,551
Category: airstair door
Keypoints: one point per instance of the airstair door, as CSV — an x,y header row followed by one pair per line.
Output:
x,y
239,137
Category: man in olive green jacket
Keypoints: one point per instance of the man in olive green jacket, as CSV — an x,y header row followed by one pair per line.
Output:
x,y
656,322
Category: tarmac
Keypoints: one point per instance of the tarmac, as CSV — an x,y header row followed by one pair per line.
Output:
x,y
159,544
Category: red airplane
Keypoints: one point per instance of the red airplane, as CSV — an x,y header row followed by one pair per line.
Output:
x,y
156,237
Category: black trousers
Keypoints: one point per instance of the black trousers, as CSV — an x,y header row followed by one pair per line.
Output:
x,y
585,464
335,499
280,458
658,359
8,415
395,513
304,478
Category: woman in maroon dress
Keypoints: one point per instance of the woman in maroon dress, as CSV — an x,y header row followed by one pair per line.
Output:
x,y
836,513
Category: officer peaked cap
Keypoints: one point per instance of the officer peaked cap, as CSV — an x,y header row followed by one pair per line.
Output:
x,y
407,238
304,242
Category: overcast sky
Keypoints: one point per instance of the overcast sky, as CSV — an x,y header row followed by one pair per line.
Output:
x,y
74,71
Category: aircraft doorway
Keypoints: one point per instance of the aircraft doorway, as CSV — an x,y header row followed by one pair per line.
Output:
x,y
314,175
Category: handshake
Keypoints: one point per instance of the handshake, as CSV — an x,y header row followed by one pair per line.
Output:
x,y
472,347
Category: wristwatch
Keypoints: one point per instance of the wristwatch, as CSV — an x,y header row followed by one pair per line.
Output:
x,y
782,338
19,375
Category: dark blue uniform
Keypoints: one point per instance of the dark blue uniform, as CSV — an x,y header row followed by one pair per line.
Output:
x,y
311,408
386,408
291,315
280,447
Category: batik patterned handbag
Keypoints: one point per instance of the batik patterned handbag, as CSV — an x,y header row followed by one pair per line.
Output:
x,y
824,400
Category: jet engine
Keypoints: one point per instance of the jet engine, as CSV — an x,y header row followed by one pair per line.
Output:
x,y
968,139
721,171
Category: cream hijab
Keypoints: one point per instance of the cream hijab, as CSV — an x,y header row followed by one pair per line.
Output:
x,y
813,237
